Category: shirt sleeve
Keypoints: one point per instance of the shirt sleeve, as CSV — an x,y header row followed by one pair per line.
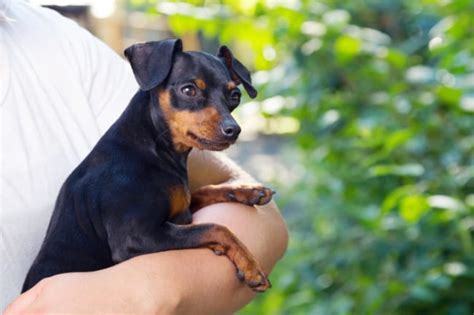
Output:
x,y
107,78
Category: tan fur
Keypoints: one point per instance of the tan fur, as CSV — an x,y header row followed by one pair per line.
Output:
x,y
221,240
203,123
200,84
180,198
248,194
231,85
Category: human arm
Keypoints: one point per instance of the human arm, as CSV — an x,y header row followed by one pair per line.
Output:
x,y
173,282
205,283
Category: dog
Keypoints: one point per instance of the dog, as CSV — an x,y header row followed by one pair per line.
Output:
x,y
130,195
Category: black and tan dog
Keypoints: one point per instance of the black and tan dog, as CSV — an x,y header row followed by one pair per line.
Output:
x,y
130,195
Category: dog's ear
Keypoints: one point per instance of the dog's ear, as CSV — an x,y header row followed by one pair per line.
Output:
x,y
151,61
237,70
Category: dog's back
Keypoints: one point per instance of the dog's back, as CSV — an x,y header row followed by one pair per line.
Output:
x,y
76,238
68,246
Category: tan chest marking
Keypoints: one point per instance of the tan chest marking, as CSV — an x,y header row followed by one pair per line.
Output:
x,y
180,198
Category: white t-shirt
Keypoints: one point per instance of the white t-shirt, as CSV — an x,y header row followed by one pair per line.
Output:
x,y
60,89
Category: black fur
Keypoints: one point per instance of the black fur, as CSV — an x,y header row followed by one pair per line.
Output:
x,y
115,204
237,70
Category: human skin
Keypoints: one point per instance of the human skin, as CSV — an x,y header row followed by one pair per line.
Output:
x,y
193,281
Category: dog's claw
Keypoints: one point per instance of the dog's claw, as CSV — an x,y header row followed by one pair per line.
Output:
x,y
268,281
260,285
251,195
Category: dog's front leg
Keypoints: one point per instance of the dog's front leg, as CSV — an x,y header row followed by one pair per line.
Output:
x,y
248,194
216,237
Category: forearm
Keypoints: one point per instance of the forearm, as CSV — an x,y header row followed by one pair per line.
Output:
x,y
174,282
199,282
205,168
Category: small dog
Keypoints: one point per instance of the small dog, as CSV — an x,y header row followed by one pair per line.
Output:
x,y
130,195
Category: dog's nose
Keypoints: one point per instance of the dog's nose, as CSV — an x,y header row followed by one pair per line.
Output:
x,y
230,130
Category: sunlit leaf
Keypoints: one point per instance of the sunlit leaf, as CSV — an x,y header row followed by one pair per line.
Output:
x,y
448,95
397,138
413,207
347,47
445,202
393,199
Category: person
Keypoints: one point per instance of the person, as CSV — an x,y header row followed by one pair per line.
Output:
x,y
60,90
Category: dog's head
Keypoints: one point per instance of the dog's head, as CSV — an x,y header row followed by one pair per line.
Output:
x,y
196,91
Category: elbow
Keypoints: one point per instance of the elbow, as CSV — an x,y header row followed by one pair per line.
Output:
x,y
283,238
275,235
280,231
264,231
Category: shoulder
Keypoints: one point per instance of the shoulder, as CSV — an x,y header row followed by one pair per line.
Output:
x,y
29,24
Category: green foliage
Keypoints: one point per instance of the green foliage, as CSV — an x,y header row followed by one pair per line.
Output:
x,y
381,218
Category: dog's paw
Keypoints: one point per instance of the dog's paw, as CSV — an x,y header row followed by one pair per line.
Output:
x,y
256,279
251,195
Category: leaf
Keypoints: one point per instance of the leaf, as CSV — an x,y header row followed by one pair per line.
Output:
x,y
396,139
396,58
347,47
448,95
445,202
412,169
423,293
393,199
413,207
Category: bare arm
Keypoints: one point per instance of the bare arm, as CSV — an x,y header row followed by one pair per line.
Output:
x,y
174,282
207,283
205,168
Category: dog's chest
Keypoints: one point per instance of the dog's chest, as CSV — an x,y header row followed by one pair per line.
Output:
x,y
179,199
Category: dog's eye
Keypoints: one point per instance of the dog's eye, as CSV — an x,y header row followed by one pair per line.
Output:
x,y
235,96
189,90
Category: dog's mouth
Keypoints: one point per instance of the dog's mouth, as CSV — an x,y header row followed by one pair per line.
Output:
x,y
209,144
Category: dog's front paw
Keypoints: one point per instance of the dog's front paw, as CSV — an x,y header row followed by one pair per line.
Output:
x,y
247,267
256,279
251,195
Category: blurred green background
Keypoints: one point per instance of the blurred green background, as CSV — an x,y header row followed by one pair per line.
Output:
x,y
364,124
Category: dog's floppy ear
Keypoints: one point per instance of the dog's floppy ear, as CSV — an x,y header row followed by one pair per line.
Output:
x,y
151,61
237,70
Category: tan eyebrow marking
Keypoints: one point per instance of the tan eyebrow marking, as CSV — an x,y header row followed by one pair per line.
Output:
x,y
231,85
200,84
